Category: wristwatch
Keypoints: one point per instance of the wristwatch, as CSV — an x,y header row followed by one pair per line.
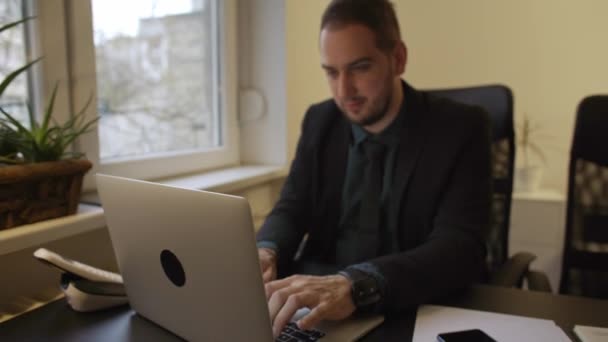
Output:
x,y
364,290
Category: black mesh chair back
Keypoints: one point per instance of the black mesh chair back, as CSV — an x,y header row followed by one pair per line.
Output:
x,y
585,261
497,100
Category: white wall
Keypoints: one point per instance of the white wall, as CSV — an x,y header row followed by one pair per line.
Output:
x,y
552,53
262,72
305,80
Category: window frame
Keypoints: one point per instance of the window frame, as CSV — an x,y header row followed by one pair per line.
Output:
x,y
69,57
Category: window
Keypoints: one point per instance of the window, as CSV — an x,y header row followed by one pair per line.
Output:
x,y
13,56
156,67
163,76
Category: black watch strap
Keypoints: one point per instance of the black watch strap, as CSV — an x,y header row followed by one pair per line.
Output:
x,y
364,290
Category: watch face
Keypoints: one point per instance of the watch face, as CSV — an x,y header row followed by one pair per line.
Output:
x,y
365,292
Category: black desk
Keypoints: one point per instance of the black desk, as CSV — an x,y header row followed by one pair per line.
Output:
x,y
56,322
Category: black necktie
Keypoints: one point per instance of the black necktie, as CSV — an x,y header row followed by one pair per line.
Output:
x,y
369,213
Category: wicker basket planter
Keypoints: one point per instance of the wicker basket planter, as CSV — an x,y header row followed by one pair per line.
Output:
x,y
34,192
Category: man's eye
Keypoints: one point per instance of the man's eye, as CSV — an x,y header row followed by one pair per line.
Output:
x,y
331,74
361,67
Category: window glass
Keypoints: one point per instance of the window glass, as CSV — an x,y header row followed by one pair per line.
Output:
x,y
156,87
13,56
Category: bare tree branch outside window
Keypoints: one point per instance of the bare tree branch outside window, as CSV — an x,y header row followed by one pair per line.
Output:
x,y
155,82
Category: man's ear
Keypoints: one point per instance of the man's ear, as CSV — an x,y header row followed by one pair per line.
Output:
x,y
400,55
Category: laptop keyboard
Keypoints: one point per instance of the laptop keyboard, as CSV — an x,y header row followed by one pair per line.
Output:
x,y
292,333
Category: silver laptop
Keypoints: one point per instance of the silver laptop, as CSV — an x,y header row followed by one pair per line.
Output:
x,y
189,262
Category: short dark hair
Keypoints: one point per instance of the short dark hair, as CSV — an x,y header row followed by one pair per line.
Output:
x,y
377,15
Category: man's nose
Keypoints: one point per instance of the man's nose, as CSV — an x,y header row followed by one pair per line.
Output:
x,y
346,87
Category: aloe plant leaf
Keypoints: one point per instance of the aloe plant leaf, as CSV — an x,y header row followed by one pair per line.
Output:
x,y
88,127
69,138
15,23
49,108
86,105
74,128
10,77
10,160
6,125
75,155
21,129
43,130
45,139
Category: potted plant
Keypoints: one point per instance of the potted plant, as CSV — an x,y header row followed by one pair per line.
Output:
x,y
39,177
528,175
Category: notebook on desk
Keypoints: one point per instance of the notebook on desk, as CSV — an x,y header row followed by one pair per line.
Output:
x,y
189,263
432,320
591,334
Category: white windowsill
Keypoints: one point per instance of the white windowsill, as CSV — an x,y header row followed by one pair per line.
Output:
x,y
90,217
229,180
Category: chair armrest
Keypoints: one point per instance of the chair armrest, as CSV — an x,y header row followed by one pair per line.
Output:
x,y
538,281
512,272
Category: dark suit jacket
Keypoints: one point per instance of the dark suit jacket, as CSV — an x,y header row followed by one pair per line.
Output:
x,y
442,186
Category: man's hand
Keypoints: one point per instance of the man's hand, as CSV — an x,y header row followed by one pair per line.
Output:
x,y
268,264
328,298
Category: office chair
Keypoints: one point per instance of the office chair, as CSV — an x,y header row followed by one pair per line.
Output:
x,y
585,260
497,100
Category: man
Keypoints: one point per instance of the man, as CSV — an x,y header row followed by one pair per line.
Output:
x,y
389,188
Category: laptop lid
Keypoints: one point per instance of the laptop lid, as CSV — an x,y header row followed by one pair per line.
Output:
x,y
188,259
190,264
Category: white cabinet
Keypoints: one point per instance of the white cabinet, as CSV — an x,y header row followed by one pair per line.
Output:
x,y
538,226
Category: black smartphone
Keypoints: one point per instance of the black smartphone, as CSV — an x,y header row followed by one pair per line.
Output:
x,y
473,335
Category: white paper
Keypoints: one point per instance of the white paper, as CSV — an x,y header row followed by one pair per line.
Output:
x,y
591,334
432,320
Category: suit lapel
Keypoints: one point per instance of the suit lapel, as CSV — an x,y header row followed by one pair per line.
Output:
x,y
410,146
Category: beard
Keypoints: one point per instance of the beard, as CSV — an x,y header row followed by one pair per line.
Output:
x,y
377,109
375,113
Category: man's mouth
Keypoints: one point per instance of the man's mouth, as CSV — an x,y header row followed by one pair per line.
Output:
x,y
354,105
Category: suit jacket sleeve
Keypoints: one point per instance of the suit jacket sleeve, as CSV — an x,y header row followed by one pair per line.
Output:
x,y
287,223
453,254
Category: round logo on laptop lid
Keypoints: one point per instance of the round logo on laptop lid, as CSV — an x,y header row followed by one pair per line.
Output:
x,y
173,268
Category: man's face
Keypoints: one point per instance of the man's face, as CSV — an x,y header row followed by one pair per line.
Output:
x,y
361,76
